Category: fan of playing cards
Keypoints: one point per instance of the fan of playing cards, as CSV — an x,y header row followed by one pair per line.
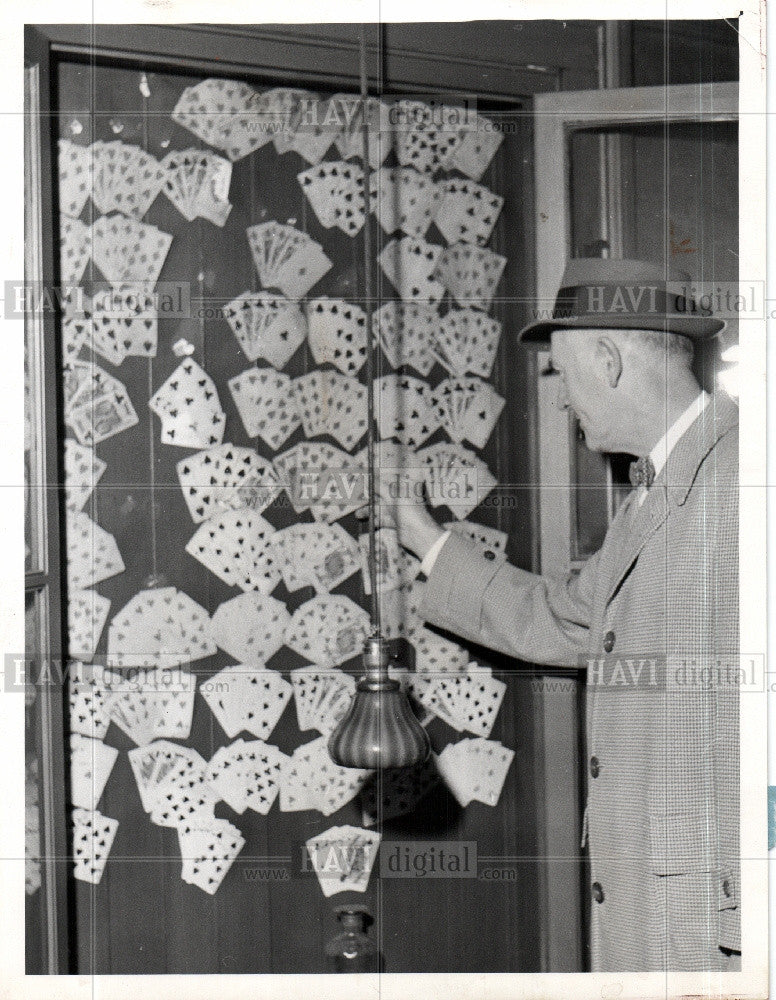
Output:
x,y
311,780
123,324
287,258
329,402
328,629
126,250
227,114
335,191
406,333
315,555
189,408
197,182
266,403
337,334
75,181
322,478
226,478
247,698
342,858
348,111
235,546
266,326
465,341
404,199
467,408
97,406
456,477
161,627
124,178
470,274
410,264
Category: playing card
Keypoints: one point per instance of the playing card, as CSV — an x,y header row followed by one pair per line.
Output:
x,y
234,545
87,612
456,477
226,478
189,408
151,764
470,274
83,471
476,147
321,696
74,165
126,250
435,655
183,797
465,341
125,178
227,114
468,211
92,553
410,264
473,698
318,555
328,629
405,409
75,249
425,135
467,408
97,405
197,182
337,334
405,331
208,849
394,566
91,762
475,769
266,404
332,403
93,836
342,858
88,695
266,326
250,627
349,111
124,323
403,199
161,627
287,258
335,191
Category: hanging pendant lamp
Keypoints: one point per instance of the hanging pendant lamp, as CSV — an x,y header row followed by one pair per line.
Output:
x,y
379,730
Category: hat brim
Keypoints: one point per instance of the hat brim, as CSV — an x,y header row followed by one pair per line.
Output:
x,y
695,327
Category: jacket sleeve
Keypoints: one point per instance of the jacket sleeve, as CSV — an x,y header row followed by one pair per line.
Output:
x,y
493,603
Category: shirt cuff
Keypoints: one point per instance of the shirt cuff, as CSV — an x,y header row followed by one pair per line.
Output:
x,y
427,563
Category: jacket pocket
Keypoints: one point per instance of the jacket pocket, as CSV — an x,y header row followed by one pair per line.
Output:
x,y
682,843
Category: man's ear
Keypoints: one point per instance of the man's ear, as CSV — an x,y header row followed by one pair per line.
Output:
x,y
608,353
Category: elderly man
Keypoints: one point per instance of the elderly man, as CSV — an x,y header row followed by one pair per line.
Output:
x,y
653,615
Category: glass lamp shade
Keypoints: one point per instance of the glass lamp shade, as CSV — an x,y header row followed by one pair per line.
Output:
x,y
380,729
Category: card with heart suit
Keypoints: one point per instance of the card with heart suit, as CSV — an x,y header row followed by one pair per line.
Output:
x,y
83,470
189,408
397,792
197,182
342,858
405,409
335,191
161,626
286,258
467,408
332,403
87,612
74,163
404,199
347,111
234,545
266,403
91,762
406,331
267,326
75,249
125,178
337,334
467,212
226,478
93,835
126,250
475,769
250,627
227,114
411,265
470,274
97,405
92,552
465,341
478,143
328,629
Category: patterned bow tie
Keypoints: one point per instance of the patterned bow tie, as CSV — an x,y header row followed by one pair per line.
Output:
x,y
642,472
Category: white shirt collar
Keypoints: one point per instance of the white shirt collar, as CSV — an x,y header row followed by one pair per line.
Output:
x,y
665,445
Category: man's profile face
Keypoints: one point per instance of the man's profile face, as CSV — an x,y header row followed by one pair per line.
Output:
x,y
582,385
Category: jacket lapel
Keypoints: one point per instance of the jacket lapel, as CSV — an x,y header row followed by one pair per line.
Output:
x,y
672,486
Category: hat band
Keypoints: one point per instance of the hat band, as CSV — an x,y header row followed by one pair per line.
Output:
x,y
648,299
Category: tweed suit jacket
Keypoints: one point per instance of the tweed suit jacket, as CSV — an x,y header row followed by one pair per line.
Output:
x,y
653,615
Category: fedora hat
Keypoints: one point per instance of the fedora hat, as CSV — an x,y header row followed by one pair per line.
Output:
x,y
623,295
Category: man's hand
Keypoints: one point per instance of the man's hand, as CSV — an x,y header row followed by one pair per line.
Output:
x,y
401,504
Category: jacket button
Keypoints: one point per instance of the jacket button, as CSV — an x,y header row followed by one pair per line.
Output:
x,y
609,642
595,767
489,555
726,887
598,892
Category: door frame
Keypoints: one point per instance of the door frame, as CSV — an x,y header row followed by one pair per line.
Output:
x,y
560,737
